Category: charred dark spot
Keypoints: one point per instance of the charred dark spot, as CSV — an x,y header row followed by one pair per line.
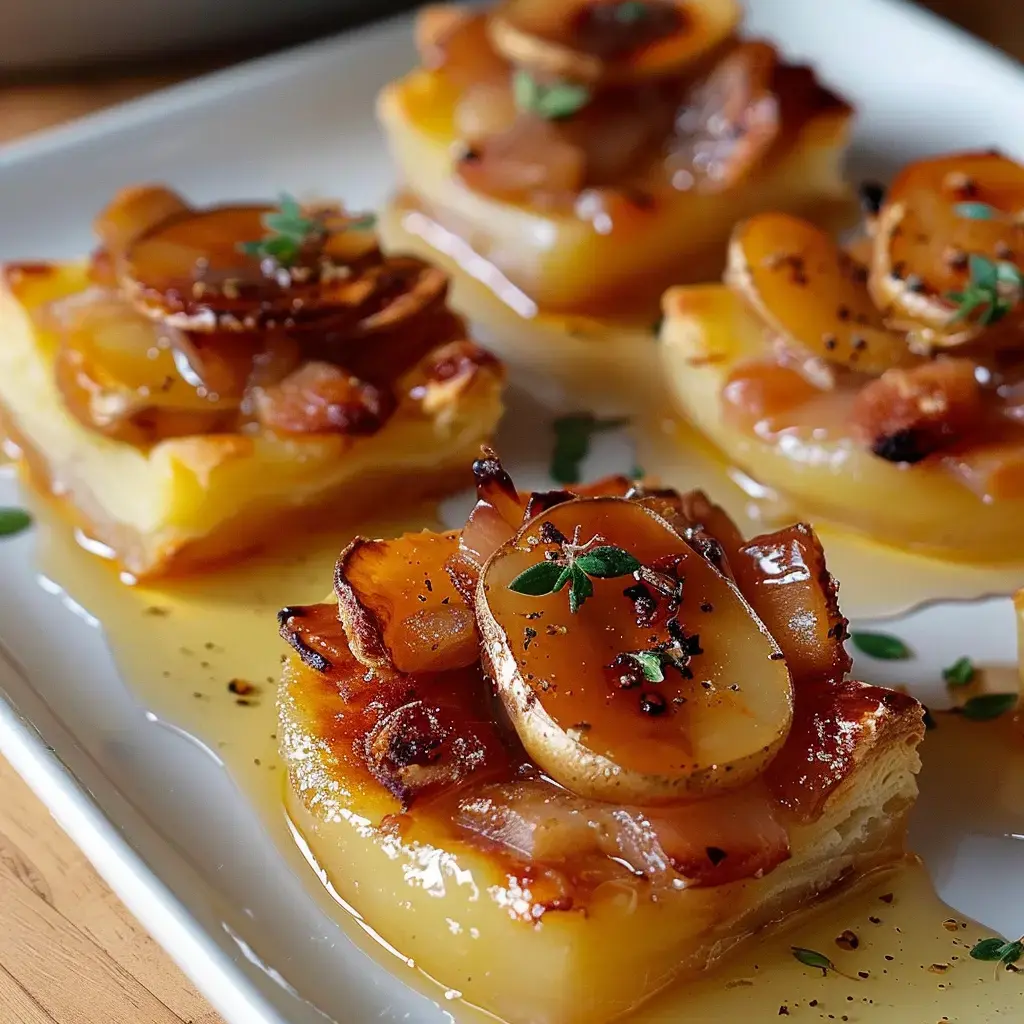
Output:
x,y
899,270
914,283
653,703
843,312
871,195
624,673
908,446
241,687
528,637
645,604
830,341
551,534
716,855
290,612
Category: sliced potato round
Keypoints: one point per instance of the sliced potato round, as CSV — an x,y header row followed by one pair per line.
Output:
x,y
937,214
582,689
610,40
811,292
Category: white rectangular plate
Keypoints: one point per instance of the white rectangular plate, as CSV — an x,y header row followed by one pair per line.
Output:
x,y
157,812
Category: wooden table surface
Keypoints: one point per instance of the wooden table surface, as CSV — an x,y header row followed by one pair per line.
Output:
x,y
69,951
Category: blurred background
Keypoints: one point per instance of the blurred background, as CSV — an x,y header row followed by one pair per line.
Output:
x,y
62,58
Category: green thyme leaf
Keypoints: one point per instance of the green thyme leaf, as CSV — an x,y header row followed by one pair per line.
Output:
x,y
629,12
13,521
580,589
811,958
562,580
650,664
883,646
288,231
960,673
637,473
982,270
608,562
987,706
1011,952
976,211
539,580
987,949
572,443
553,101
1009,273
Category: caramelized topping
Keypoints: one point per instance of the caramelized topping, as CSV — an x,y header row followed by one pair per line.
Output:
x,y
906,415
966,204
658,744
811,293
236,318
399,606
658,721
611,41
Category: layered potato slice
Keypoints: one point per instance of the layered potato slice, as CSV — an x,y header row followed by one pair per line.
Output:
x,y
577,158
634,774
192,393
879,388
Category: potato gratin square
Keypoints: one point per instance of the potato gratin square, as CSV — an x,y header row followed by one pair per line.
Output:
x,y
587,744
209,377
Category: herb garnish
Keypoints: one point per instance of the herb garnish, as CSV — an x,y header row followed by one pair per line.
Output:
x,y
650,664
290,231
812,958
572,442
960,673
629,12
552,101
1006,953
994,288
976,211
883,646
574,565
987,706
13,521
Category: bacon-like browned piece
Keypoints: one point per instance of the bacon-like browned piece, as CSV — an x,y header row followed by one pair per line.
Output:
x,y
319,398
784,577
906,415
399,607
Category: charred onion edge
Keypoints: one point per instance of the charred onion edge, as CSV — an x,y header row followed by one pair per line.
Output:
x,y
362,628
310,658
523,702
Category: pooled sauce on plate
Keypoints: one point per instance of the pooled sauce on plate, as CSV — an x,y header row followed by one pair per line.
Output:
x,y
204,654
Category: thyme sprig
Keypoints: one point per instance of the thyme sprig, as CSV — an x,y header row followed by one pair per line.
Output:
x,y
993,289
290,230
575,565
13,521
553,101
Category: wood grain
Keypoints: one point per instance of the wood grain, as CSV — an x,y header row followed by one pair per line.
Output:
x,y
69,951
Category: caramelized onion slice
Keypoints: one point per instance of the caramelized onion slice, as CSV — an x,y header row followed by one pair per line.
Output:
x,y
191,270
400,609
121,375
937,213
811,293
320,398
709,842
134,211
610,41
581,708
729,120
784,577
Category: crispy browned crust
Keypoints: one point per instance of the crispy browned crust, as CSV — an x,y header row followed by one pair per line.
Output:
x,y
365,638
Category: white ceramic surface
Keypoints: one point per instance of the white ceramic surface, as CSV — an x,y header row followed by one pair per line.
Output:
x,y
156,811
